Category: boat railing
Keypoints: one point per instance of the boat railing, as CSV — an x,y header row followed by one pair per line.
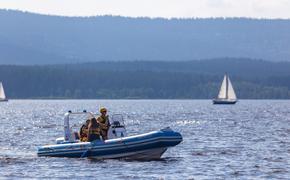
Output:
x,y
69,135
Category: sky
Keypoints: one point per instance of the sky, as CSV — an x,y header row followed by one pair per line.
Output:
x,y
155,8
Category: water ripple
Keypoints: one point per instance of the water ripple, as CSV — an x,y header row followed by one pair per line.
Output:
x,y
249,140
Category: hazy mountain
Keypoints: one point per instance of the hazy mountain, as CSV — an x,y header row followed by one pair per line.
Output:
x,y
27,38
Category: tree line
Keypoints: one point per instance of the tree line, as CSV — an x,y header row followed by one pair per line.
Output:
x,y
121,80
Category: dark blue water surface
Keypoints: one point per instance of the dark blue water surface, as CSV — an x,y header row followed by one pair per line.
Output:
x,y
249,140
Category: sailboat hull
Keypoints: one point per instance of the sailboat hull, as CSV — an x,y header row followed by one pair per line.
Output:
x,y
224,101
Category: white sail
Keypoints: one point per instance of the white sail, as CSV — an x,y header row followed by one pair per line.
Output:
x,y
231,92
223,89
227,90
2,93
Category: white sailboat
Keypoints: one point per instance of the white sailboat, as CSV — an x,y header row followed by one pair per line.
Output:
x,y
226,94
2,93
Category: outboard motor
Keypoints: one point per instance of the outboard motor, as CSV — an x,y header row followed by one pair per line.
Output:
x,y
117,128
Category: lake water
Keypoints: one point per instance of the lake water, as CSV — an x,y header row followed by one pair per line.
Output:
x,y
249,140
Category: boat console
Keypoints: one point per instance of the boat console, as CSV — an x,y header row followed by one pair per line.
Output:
x,y
117,128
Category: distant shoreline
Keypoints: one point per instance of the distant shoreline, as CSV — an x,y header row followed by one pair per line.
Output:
x,y
133,99
251,79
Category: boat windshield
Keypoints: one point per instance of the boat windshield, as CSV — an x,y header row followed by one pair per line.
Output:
x,y
78,119
117,120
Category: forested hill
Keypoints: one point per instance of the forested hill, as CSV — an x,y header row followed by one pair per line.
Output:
x,y
27,38
143,79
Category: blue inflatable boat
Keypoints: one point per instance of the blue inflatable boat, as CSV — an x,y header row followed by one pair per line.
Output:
x,y
143,146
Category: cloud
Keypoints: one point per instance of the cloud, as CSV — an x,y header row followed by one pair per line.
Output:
x,y
217,3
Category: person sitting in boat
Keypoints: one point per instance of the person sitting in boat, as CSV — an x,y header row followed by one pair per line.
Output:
x,y
84,131
94,130
103,120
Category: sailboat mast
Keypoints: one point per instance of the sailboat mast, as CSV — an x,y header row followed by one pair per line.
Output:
x,y
227,87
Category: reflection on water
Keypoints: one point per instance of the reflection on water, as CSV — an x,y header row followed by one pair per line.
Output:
x,y
248,140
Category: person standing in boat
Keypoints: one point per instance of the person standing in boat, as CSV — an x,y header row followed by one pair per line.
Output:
x,y
104,122
94,130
